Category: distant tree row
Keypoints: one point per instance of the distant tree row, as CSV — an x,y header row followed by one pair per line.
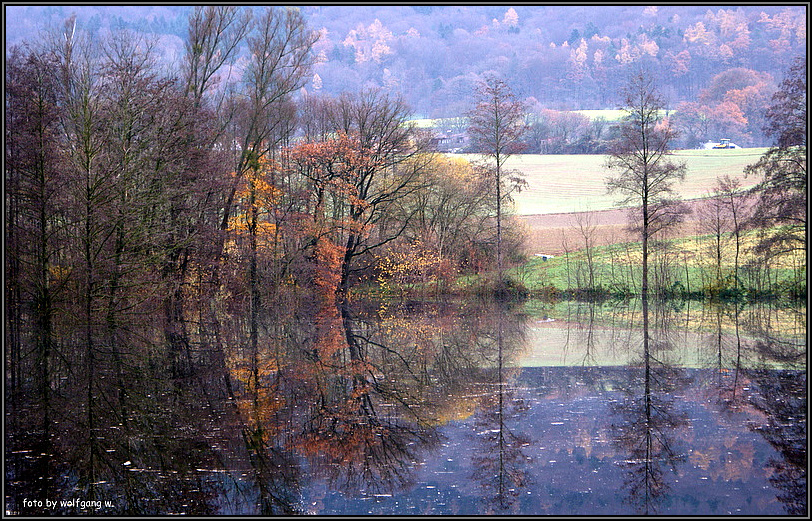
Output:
x,y
734,106
717,67
437,61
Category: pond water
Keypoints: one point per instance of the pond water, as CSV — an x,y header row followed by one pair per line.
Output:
x,y
430,409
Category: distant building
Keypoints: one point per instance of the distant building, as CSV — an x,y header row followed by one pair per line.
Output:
x,y
723,144
450,142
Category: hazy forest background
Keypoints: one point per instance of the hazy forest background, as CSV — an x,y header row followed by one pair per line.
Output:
x,y
716,65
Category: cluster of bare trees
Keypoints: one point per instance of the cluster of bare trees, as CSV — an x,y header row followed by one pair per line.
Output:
x,y
143,204
748,242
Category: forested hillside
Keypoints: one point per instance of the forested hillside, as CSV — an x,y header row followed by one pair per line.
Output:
x,y
718,66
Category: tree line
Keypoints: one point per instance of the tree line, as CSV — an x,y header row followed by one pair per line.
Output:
x,y
133,190
163,224
160,223
642,171
137,194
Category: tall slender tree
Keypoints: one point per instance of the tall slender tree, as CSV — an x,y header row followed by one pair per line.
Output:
x,y
34,214
496,126
644,172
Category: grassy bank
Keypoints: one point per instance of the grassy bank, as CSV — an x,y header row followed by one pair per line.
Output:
x,y
681,269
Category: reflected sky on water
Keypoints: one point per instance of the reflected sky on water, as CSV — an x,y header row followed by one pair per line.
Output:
x,y
566,409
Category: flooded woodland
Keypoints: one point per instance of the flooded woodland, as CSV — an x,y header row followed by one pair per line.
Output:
x,y
427,408
234,288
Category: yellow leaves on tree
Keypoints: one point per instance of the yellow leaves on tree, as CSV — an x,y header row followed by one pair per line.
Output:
x,y
256,196
411,263
256,400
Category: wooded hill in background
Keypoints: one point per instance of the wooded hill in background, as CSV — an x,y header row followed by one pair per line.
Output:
x,y
718,67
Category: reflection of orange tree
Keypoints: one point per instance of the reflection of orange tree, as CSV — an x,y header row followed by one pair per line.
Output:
x,y
381,383
378,383
354,433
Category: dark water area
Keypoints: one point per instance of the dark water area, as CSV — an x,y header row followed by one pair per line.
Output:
x,y
427,409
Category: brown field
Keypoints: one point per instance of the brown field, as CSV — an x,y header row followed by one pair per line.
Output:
x,y
555,233
561,189
576,183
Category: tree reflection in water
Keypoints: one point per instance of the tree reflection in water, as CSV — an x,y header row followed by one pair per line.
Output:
x,y
363,433
781,396
747,381
649,417
500,466
352,400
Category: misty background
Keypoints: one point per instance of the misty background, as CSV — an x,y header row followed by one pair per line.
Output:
x,y
728,59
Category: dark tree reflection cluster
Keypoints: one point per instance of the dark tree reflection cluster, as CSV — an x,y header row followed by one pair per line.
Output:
x,y
782,398
337,399
181,337
650,417
146,208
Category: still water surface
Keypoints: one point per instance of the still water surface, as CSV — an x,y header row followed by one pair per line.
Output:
x,y
426,409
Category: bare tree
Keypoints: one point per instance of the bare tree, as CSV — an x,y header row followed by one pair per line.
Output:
x,y
279,44
35,219
645,175
496,126
215,33
734,199
586,228
713,220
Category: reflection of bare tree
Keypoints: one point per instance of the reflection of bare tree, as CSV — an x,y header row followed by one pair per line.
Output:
x,y
728,360
275,475
649,417
585,329
781,396
128,435
31,461
780,333
498,463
